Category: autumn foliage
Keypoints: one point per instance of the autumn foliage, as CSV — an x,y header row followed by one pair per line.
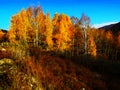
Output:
x,y
58,53
60,34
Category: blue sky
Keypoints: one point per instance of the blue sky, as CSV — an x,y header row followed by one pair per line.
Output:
x,y
100,11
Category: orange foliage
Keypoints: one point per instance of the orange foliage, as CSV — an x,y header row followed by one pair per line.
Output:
x,y
92,47
60,33
49,31
109,36
18,27
63,31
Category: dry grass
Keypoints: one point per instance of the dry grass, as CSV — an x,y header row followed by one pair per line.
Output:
x,y
43,71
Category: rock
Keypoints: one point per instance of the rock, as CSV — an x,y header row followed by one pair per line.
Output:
x,y
82,89
6,61
3,49
5,65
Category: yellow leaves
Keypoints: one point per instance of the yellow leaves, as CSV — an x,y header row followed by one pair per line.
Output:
x,y
55,19
11,36
63,31
32,25
29,12
49,30
91,46
23,13
109,35
49,41
92,49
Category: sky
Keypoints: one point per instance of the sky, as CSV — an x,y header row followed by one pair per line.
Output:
x,y
101,12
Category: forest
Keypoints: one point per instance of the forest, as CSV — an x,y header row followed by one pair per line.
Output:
x,y
59,53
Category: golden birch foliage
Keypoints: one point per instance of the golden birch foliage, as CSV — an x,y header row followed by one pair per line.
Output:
x,y
22,26
91,43
56,31
18,27
12,32
30,32
32,24
40,19
55,19
92,47
11,36
78,36
49,30
62,37
29,13
63,31
109,36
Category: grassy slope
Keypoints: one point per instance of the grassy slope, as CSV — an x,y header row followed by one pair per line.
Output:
x,y
56,73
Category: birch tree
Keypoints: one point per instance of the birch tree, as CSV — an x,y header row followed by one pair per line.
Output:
x,y
84,22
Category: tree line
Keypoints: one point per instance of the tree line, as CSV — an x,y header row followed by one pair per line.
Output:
x,y
61,34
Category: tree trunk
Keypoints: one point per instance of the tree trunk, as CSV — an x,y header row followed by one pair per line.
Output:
x,y
85,42
37,36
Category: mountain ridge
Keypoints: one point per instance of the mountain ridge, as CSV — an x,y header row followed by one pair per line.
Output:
x,y
115,28
4,31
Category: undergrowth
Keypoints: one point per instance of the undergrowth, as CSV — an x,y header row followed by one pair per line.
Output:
x,y
34,69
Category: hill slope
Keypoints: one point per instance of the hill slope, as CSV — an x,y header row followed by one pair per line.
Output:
x,y
55,73
115,28
4,31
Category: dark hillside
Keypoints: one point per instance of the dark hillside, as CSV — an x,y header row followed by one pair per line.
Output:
x,y
115,28
53,72
4,31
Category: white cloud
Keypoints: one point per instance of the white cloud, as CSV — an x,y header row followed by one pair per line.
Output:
x,y
103,24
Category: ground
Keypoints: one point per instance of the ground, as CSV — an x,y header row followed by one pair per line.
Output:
x,y
46,71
